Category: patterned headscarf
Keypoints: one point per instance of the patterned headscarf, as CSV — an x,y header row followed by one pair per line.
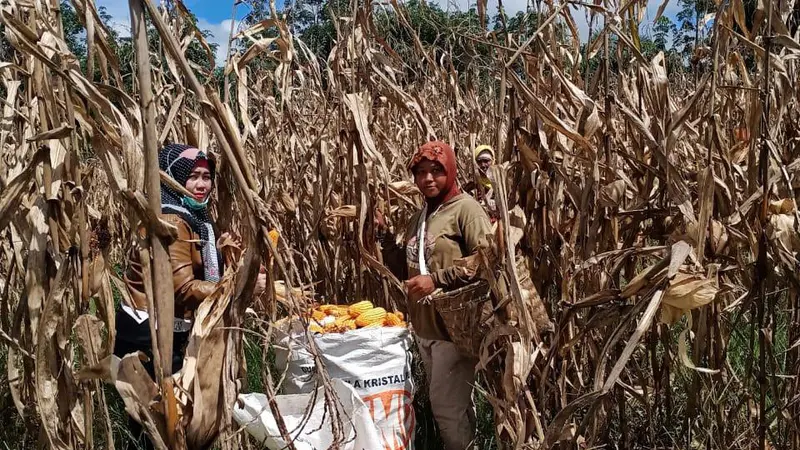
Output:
x,y
178,161
442,153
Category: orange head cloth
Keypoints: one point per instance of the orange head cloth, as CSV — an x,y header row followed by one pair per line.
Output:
x,y
442,153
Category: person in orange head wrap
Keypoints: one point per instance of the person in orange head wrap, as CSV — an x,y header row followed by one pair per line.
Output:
x,y
448,227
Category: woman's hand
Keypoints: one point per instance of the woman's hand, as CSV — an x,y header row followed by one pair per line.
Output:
x,y
420,286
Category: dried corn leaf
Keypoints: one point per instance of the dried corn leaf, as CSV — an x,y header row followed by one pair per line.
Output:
x,y
686,292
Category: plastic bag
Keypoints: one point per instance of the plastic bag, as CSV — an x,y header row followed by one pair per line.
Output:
x,y
376,362
253,412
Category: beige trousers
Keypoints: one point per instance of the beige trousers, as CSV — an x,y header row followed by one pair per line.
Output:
x,y
451,376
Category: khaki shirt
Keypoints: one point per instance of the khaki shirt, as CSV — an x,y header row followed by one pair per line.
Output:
x,y
452,232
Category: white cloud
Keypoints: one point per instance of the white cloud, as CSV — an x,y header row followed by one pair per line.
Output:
x,y
221,32
121,22
120,15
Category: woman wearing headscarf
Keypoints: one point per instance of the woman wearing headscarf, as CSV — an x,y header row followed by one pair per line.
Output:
x,y
449,226
482,188
197,265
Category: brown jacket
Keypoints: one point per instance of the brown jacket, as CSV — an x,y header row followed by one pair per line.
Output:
x,y
187,271
453,232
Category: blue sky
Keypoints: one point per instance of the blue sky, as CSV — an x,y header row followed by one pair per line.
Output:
x,y
215,15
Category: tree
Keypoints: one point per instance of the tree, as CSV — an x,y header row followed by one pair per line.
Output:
x,y
195,52
74,32
521,25
664,27
691,19
302,14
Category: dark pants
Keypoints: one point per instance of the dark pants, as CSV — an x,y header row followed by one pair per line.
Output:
x,y
132,337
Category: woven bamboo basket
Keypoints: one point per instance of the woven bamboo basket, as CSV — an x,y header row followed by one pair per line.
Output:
x,y
465,312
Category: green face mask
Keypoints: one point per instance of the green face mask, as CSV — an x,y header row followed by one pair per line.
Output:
x,y
193,204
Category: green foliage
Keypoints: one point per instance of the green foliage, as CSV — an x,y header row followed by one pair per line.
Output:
x,y
75,37
74,31
316,26
196,52
657,40
663,28
13,433
523,25
690,32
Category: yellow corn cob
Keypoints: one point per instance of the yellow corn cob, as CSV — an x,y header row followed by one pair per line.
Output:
x,y
374,325
399,315
273,235
392,320
371,316
314,328
356,309
340,321
350,324
340,311
317,315
327,309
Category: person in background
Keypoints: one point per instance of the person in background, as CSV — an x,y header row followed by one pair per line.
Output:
x,y
197,265
482,188
449,226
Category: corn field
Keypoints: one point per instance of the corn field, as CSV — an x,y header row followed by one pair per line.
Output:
x,y
650,214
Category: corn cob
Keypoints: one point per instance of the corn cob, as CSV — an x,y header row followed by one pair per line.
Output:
x,y
371,316
317,315
356,309
340,311
330,318
340,321
327,309
392,320
273,235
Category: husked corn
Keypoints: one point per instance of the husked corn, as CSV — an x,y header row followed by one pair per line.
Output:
x,y
330,318
371,316
327,309
392,320
340,311
317,315
274,235
356,309
340,321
